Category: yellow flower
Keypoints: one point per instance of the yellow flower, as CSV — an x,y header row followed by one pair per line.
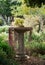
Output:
x,y
19,22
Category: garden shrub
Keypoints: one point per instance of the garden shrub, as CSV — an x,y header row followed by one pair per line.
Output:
x,y
7,54
3,29
42,37
42,56
10,62
4,36
4,60
8,49
35,37
36,47
1,22
38,38
3,56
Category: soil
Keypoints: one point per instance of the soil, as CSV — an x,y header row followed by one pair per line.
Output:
x,y
32,61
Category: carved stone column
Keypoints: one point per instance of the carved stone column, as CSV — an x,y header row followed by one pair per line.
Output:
x,y
21,43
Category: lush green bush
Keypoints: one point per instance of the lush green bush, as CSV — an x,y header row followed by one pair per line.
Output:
x,y
4,60
1,22
6,48
38,38
7,54
42,56
4,36
38,11
3,29
3,55
38,43
36,47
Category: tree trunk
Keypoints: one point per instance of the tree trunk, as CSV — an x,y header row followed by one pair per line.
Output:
x,y
6,19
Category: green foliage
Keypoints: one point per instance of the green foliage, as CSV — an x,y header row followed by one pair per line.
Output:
x,y
42,56
1,22
38,48
33,3
34,11
35,37
2,54
38,11
20,9
10,62
7,54
39,38
4,60
37,45
3,29
5,7
3,36
6,48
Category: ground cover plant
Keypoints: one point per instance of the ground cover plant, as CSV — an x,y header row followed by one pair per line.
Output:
x,y
36,47
7,54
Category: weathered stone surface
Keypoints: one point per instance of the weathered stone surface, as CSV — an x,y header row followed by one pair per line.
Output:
x,y
11,37
20,31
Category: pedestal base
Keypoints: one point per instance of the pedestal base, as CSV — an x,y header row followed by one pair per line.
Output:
x,y
21,58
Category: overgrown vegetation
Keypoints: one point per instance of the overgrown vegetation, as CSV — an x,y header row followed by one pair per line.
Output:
x,y
37,45
1,22
7,54
26,13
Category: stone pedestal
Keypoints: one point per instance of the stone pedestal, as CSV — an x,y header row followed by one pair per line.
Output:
x,y
21,43
20,31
